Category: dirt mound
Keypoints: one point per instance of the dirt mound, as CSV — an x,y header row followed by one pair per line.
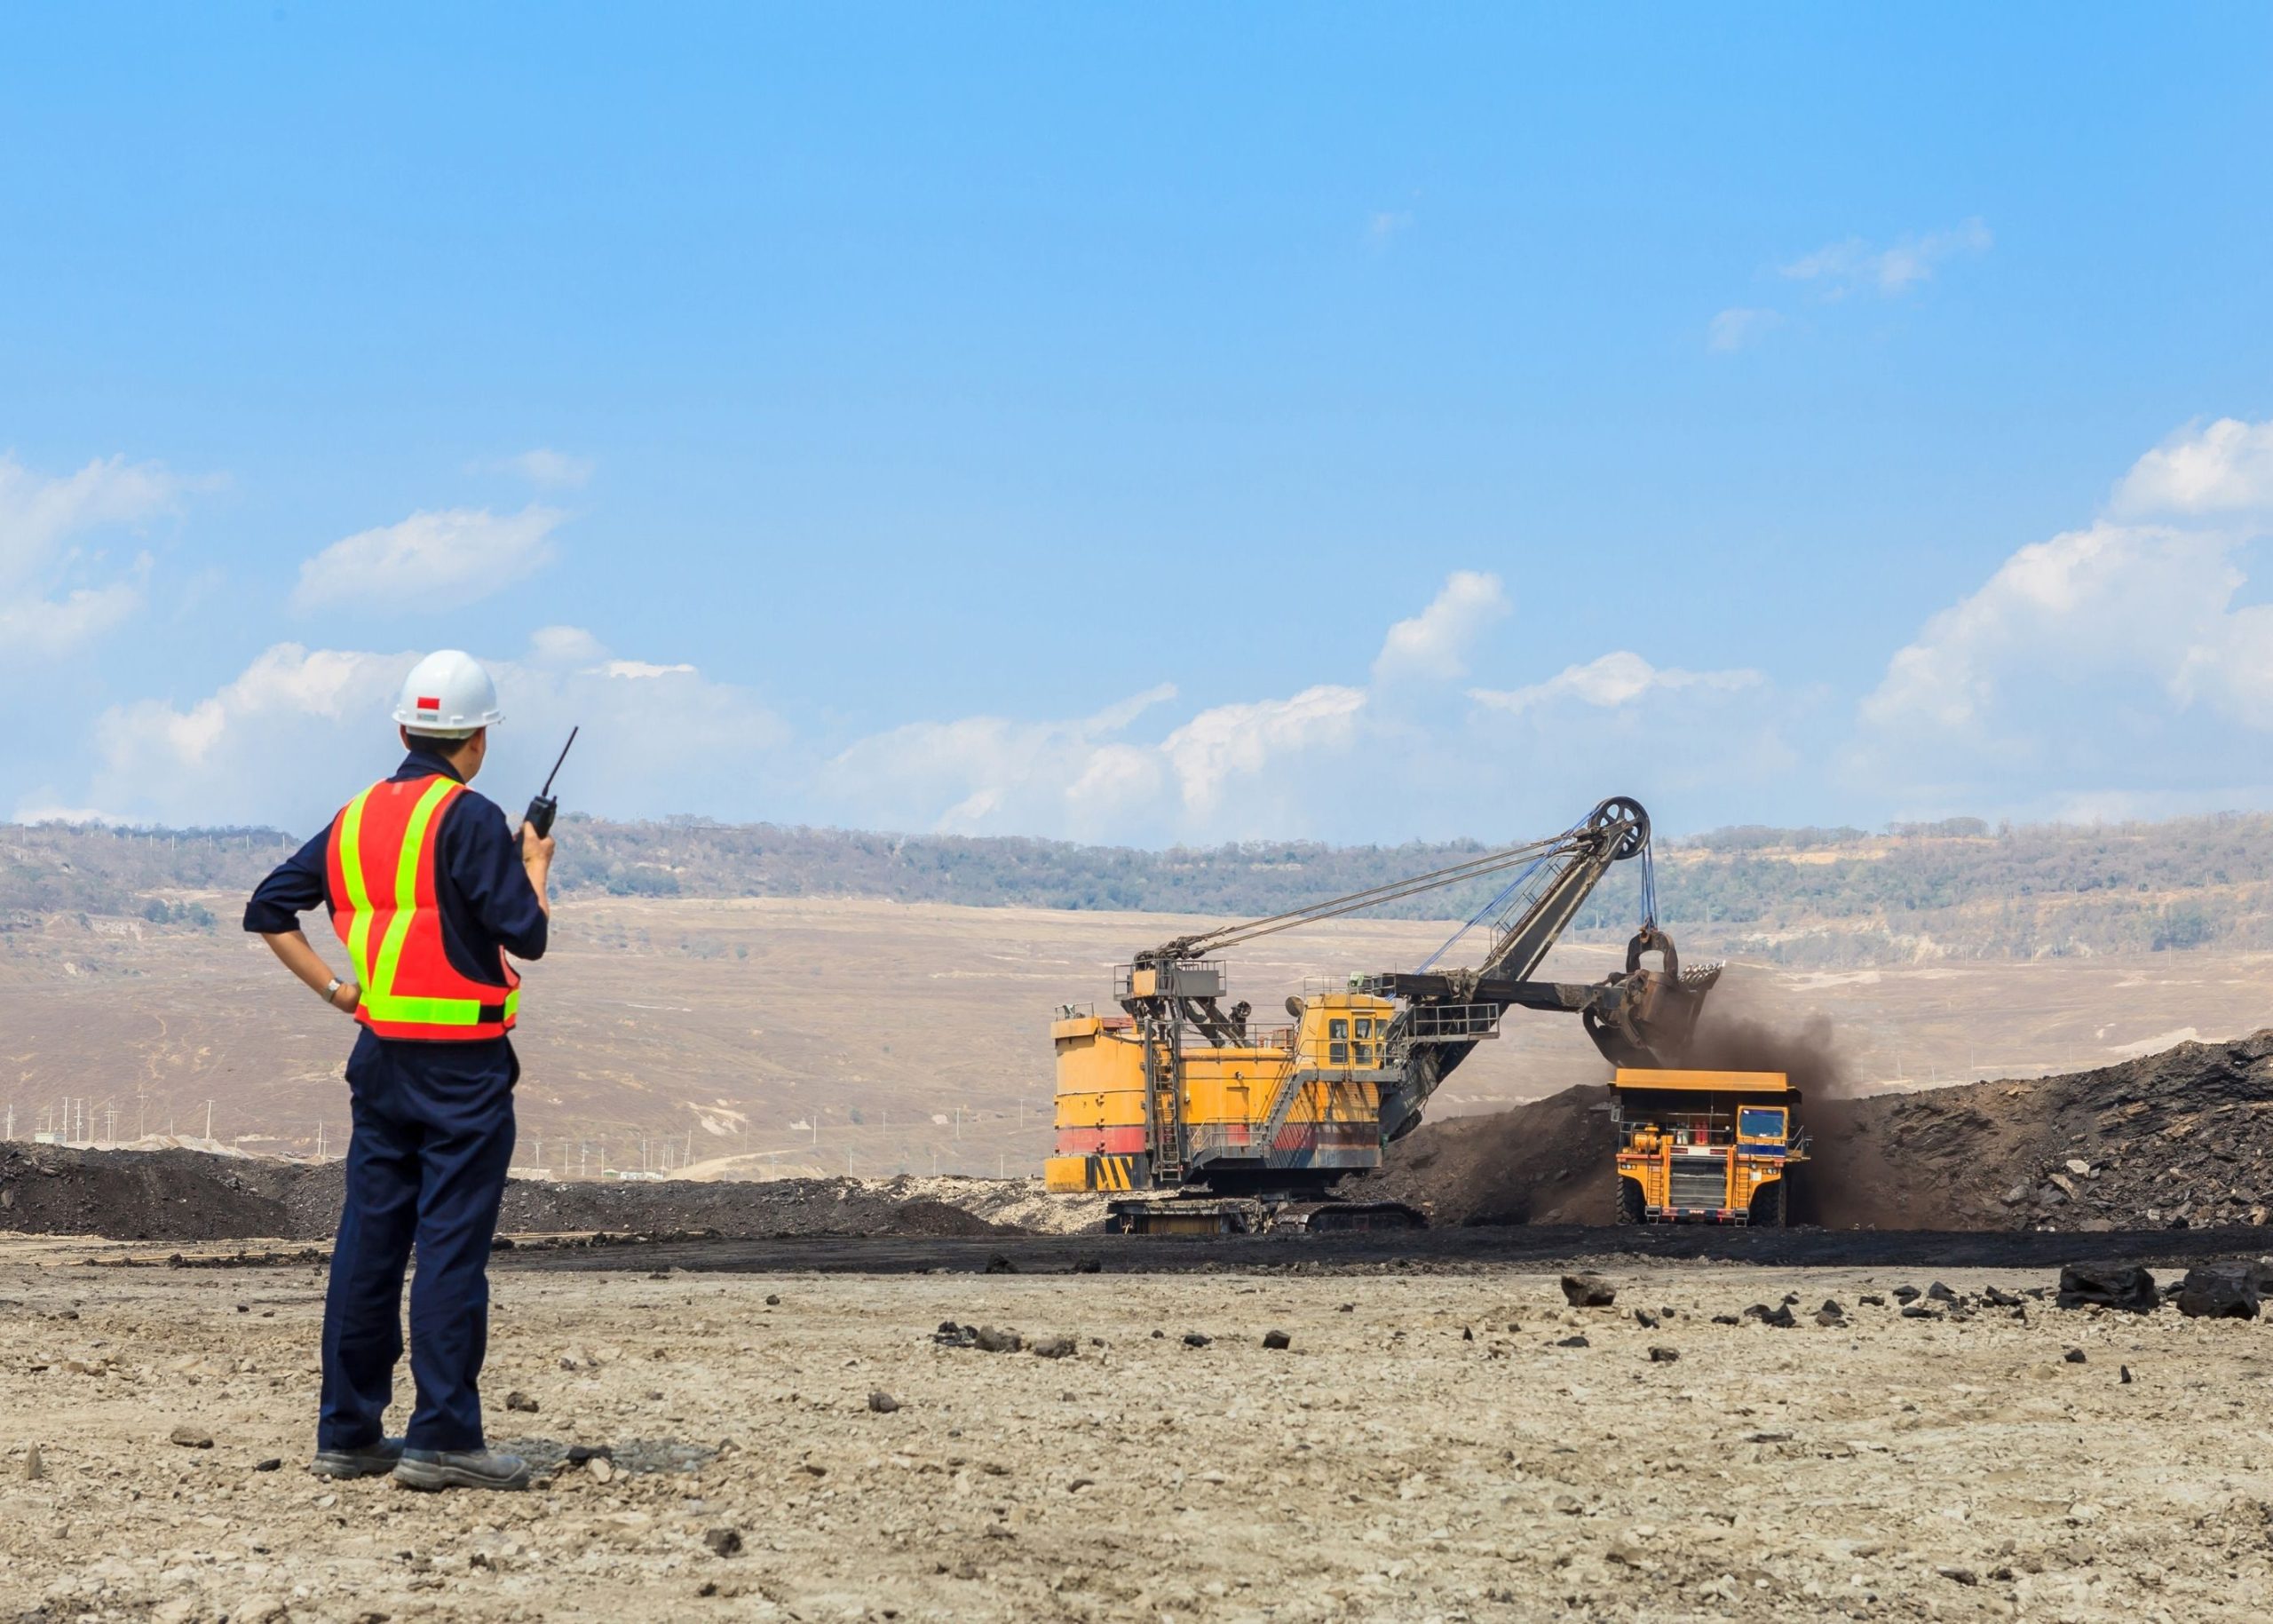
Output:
x,y
927,1217
139,1195
1546,1163
187,1195
2185,1137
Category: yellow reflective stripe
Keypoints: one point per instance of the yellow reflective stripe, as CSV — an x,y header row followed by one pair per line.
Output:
x,y
359,898
406,895
426,1011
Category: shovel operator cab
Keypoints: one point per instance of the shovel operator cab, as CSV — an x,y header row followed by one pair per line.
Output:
x,y
1705,1147
1209,1118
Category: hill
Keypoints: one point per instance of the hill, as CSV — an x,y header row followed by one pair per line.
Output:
x,y
1811,896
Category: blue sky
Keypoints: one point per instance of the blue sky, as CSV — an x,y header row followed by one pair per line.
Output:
x,y
1032,420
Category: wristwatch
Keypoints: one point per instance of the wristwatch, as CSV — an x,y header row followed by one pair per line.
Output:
x,y
331,993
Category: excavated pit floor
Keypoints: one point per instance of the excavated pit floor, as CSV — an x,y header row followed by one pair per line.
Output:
x,y
1428,1447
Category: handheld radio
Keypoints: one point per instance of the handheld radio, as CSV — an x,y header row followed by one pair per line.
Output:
x,y
542,810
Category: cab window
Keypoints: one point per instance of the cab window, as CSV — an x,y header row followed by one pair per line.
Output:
x,y
1759,1123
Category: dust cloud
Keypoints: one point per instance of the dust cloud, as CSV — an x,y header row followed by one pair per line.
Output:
x,y
1846,1181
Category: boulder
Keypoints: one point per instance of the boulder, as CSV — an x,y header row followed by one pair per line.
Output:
x,y
2219,1291
2124,1285
1589,1291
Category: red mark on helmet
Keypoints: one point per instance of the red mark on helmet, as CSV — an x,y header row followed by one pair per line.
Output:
x,y
430,704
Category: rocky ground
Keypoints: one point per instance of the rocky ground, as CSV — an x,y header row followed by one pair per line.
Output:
x,y
1425,1447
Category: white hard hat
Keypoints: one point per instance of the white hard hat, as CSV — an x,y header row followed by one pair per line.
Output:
x,y
447,695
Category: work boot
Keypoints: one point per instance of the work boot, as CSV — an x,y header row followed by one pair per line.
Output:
x,y
462,1468
370,1460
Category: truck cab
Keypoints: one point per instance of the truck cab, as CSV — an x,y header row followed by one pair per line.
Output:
x,y
1705,1147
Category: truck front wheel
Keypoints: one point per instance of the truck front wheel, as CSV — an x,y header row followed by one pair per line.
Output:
x,y
1632,1208
1768,1205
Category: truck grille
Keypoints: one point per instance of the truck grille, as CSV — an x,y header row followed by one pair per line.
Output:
x,y
1699,1181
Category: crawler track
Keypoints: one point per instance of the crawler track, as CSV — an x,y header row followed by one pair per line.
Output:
x,y
1529,1246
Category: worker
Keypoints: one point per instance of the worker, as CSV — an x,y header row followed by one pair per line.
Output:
x,y
429,889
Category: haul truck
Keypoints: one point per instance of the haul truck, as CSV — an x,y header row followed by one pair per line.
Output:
x,y
1212,1120
1705,1147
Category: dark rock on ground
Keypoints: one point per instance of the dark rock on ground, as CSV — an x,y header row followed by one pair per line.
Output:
x,y
1589,1291
2216,1291
2124,1285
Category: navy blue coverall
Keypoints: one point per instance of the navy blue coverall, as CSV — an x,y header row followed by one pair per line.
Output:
x,y
433,1134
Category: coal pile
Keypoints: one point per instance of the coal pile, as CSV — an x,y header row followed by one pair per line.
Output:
x,y
141,1195
178,1195
1545,1162
2180,1139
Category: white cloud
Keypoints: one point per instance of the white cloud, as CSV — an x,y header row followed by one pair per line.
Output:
x,y
636,670
992,772
48,628
1227,744
1735,328
1401,757
1434,644
2226,467
1613,681
546,468
2104,665
671,741
454,555
1853,265
1387,225
46,607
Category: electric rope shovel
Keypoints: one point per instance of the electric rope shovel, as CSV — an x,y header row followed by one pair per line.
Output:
x,y
545,807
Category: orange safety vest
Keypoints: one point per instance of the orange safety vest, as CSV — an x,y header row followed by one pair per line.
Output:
x,y
382,863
